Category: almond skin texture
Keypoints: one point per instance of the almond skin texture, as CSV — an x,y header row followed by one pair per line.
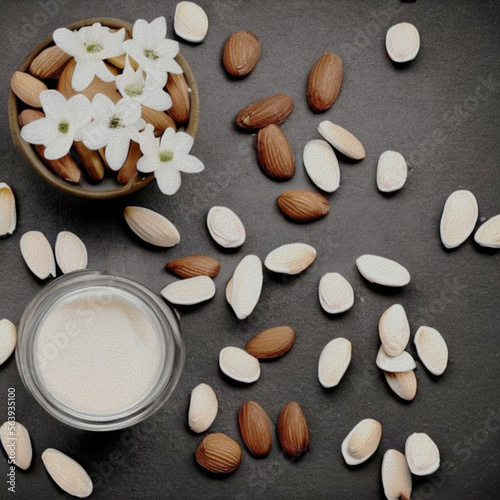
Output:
x,y
49,63
275,153
241,53
271,343
218,453
293,432
27,88
64,167
325,80
178,89
194,265
302,205
255,428
273,109
91,161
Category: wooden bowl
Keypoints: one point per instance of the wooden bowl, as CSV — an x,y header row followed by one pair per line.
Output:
x,y
108,187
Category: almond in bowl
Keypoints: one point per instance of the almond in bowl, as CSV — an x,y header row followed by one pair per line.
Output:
x,y
86,170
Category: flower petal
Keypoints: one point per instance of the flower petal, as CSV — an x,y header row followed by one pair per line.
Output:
x,y
140,30
148,143
182,142
157,99
102,107
117,151
41,131
129,110
59,146
158,28
53,103
148,164
188,164
169,48
168,179
83,74
67,41
95,136
172,67
78,110
102,72
168,139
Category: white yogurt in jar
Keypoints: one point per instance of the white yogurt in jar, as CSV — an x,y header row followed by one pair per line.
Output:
x,y
99,351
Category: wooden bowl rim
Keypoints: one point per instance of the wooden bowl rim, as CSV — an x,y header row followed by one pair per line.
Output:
x,y
41,169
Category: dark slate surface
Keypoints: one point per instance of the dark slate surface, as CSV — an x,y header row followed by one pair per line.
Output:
x,y
441,112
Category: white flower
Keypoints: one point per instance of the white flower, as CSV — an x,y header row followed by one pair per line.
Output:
x,y
89,46
113,127
146,91
152,51
167,157
63,123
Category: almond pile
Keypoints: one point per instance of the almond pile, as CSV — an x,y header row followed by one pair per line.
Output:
x,y
53,68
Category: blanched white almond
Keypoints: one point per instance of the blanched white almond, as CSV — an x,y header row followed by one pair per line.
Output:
x,y
394,330
71,252
8,339
334,361
432,349
422,454
68,474
246,286
459,218
190,22
239,365
382,271
8,217
402,42
38,254
229,290
488,235
404,362
396,476
290,259
16,442
392,171
203,408
190,291
225,227
335,293
152,227
403,384
342,140
362,442
322,165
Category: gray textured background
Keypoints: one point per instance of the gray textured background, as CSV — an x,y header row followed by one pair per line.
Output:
x,y
433,113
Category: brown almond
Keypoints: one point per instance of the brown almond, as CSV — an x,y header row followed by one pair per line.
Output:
x,y
97,86
293,432
275,153
325,81
119,62
129,168
178,89
49,63
27,88
302,205
65,167
273,109
158,119
271,343
218,453
194,265
91,161
241,53
255,428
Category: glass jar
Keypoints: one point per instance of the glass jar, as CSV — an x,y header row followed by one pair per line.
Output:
x,y
49,369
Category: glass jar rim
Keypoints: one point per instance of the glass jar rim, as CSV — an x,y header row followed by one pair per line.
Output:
x,y
80,280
